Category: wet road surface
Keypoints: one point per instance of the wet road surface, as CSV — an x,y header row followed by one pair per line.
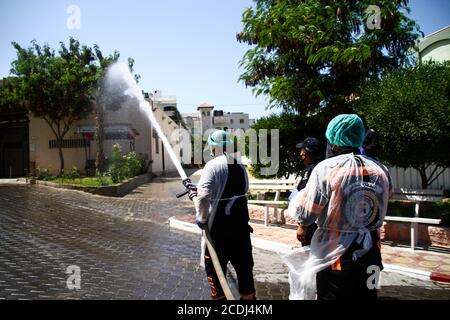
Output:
x,y
125,249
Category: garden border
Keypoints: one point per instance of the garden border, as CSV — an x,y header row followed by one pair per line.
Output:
x,y
118,190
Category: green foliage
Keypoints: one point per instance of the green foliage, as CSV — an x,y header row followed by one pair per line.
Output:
x,y
102,178
124,166
117,169
410,110
85,182
178,118
292,129
311,54
57,87
60,87
133,165
44,174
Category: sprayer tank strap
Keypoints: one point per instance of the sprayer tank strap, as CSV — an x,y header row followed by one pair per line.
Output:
x,y
230,202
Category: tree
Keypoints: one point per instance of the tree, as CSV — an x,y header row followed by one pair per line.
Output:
x,y
292,128
63,88
178,118
55,87
311,54
410,111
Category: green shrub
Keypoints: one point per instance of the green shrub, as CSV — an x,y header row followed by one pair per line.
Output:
x,y
134,165
124,166
102,178
117,168
74,173
44,174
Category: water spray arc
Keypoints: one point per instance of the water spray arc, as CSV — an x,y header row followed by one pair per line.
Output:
x,y
122,91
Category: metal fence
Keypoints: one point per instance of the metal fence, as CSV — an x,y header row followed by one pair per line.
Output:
x,y
410,178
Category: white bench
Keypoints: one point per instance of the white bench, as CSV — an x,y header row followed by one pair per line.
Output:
x,y
262,187
417,196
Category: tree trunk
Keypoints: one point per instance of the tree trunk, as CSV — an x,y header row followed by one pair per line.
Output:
x,y
423,177
61,155
99,135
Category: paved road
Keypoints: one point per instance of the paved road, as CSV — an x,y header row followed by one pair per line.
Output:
x,y
124,248
42,233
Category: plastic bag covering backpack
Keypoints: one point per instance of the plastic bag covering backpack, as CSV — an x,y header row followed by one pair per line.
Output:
x,y
347,196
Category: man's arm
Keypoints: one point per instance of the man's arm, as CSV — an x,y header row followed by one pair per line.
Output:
x,y
310,202
203,199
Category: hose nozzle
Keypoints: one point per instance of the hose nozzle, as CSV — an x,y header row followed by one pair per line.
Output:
x,y
187,183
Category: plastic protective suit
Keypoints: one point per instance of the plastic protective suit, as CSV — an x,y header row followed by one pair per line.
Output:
x,y
347,196
222,203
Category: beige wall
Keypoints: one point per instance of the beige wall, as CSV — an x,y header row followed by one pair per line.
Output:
x,y
438,51
168,129
44,157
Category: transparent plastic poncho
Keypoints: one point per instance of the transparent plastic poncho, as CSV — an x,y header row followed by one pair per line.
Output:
x,y
347,196
209,189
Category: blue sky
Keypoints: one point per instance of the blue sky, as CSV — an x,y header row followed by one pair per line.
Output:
x,y
184,48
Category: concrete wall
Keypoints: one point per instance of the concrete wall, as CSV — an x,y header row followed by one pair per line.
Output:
x,y
169,128
438,51
435,46
206,116
46,158
400,232
235,121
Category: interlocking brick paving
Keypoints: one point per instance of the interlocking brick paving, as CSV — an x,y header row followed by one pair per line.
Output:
x,y
126,250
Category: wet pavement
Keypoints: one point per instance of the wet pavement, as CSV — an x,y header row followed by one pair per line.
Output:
x,y
125,249
44,231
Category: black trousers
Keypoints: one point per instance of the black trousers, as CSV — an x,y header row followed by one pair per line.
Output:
x,y
236,249
351,282
344,285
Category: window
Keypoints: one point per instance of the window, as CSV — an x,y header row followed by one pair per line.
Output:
x,y
208,113
241,120
69,143
231,121
170,108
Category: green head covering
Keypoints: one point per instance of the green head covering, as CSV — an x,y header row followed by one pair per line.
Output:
x,y
219,139
346,130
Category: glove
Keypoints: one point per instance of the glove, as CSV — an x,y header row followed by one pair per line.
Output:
x,y
201,225
187,183
191,187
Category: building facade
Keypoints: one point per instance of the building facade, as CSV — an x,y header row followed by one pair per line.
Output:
x,y
435,46
27,143
209,119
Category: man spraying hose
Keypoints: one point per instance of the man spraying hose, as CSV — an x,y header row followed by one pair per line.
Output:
x,y
221,206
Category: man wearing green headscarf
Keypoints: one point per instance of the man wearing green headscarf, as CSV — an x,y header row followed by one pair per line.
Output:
x,y
347,196
221,204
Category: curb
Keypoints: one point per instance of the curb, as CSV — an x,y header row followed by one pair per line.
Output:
x,y
282,248
277,247
184,226
420,274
